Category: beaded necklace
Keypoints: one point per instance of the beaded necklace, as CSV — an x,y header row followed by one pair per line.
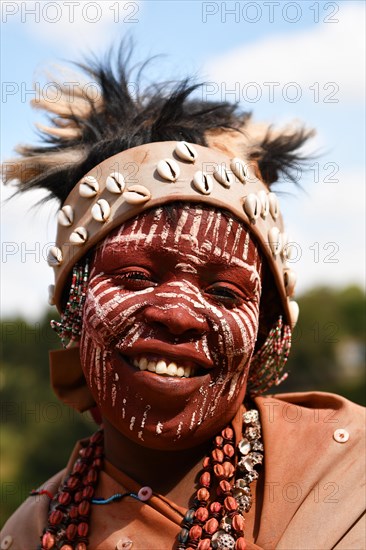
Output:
x,y
215,520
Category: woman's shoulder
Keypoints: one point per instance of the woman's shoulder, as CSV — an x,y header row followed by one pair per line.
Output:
x,y
314,420
319,409
314,446
24,528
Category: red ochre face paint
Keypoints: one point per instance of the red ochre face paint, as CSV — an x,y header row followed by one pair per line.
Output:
x,y
170,324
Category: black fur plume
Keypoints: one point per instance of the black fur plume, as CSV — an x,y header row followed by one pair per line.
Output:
x,y
84,129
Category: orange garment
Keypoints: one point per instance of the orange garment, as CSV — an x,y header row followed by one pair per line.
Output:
x,y
313,487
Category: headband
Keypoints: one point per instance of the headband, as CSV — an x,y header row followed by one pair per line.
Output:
x,y
159,173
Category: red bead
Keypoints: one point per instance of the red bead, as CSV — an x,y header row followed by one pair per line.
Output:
x,y
218,471
205,479
201,514
97,437
219,441
195,532
211,526
229,469
73,512
215,507
71,531
203,494
48,541
229,450
224,487
88,492
84,508
64,498
217,455
97,463
56,517
240,544
72,482
238,523
204,544
227,433
86,452
92,476
83,529
78,496
206,462
230,504
80,467
99,451
81,546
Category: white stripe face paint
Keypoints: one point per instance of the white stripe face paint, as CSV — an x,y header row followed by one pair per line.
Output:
x,y
183,289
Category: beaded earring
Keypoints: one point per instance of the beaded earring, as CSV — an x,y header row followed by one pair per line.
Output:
x,y
69,328
267,364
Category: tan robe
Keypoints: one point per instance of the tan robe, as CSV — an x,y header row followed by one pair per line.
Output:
x,y
313,491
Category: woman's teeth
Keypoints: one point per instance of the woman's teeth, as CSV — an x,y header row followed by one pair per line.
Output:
x,y
165,368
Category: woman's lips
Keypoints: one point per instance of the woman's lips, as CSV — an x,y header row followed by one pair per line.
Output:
x,y
164,366
180,360
168,389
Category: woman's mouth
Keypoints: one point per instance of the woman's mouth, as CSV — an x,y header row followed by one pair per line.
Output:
x,y
164,366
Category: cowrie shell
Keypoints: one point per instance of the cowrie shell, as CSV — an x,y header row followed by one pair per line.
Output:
x,y
168,169
185,151
101,211
65,216
54,256
289,279
223,176
137,194
273,205
294,312
88,187
203,182
290,251
51,295
115,183
274,240
252,207
237,165
263,197
284,246
79,236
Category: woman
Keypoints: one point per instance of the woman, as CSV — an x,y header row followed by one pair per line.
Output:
x,y
172,281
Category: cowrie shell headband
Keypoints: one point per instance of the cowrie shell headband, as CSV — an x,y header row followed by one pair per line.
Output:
x,y
154,174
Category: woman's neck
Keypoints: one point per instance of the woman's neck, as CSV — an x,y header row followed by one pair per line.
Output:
x,y
169,473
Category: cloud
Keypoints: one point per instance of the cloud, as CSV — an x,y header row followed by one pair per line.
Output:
x,y
27,233
328,225
323,53
79,25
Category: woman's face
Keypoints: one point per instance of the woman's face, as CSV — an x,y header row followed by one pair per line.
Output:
x,y
170,324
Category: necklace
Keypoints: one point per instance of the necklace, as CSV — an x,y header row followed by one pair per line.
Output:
x,y
215,520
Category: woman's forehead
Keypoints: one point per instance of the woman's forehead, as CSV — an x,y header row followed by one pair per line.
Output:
x,y
199,234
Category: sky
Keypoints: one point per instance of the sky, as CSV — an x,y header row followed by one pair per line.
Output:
x,y
286,62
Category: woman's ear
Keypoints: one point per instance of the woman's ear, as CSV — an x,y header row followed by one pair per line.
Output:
x,y
269,308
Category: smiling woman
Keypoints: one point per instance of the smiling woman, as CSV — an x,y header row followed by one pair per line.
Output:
x,y
174,288
185,305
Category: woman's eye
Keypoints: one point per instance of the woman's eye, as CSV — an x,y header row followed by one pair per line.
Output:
x,y
136,275
135,279
225,295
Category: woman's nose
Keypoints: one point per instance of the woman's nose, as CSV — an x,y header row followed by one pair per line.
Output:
x,y
177,320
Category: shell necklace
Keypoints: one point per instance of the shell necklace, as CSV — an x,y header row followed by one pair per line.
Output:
x,y
215,521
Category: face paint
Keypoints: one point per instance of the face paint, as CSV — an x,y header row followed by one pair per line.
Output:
x,y
170,323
